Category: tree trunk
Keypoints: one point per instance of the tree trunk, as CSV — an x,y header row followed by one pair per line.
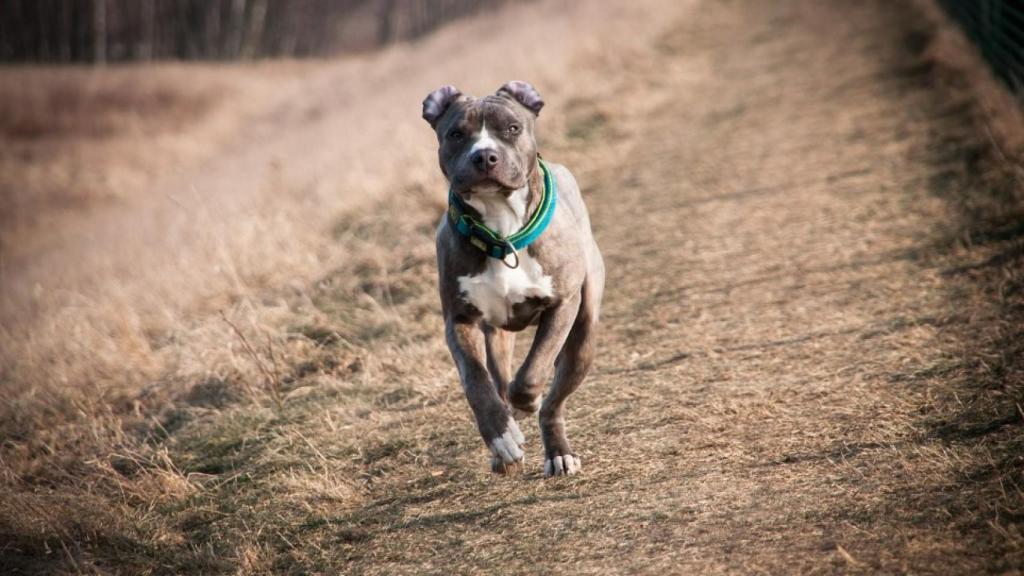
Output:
x,y
211,29
237,33
147,16
99,31
66,33
386,22
254,35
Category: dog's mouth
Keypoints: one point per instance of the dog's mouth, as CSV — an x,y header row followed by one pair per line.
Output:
x,y
486,185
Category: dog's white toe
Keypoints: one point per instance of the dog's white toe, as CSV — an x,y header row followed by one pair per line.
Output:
x,y
508,447
517,434
564,465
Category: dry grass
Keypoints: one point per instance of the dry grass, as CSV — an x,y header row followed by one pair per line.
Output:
x,y
76,141
812,356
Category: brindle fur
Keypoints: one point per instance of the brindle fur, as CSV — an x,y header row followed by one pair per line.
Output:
x,y
566,322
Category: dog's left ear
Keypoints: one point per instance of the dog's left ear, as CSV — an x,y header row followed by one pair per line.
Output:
x,y
437,102
523,93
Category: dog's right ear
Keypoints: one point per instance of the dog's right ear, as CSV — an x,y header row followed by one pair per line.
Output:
x,y
435,104
524,93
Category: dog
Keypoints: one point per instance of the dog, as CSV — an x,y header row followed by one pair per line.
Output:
x,y
514,249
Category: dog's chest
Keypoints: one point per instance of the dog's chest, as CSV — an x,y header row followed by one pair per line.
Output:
x,y
507,297
504,295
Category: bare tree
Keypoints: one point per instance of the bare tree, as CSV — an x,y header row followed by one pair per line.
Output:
x,y
99,31
254,33
147,15
212,32
386,22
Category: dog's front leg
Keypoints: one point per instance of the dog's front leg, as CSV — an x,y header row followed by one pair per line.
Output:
x,y
499,430
536,371
556,341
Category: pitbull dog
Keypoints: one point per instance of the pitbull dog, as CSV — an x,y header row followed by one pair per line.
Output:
x,y
490,291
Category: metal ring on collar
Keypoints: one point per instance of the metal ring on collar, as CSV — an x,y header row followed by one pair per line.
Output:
x,y
510,250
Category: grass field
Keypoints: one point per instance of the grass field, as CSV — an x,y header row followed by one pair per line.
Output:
x,y
221,348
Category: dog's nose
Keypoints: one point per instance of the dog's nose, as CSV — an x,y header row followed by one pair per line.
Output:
x,y
485,159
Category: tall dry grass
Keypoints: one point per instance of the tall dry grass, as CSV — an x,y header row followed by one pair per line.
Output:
x,y
233,364
208,190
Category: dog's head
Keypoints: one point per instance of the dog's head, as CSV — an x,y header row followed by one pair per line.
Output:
x,y
485,144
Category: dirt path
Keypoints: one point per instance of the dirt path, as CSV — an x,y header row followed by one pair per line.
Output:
x,y
810,361
781,332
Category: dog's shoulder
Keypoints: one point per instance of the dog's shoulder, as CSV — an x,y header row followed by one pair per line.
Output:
x,y
563,177
569,194
455,256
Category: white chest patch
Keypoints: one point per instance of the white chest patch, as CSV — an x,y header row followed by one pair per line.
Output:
x,y
495,290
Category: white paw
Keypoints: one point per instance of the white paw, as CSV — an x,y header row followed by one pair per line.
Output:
x,y
508,448
565,465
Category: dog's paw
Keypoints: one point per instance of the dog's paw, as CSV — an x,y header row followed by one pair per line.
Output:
x,y
500,467
507,449
523,413
523,410
562,465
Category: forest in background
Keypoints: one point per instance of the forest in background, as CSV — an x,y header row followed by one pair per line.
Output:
x,y
997,27
100,31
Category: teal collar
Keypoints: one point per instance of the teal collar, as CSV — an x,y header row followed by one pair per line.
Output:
x,y
492,243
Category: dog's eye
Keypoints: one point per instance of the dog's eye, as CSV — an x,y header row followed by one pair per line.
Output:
x,y
456,135
513,129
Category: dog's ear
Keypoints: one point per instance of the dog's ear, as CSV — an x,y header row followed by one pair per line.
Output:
x,y
523,93
435,104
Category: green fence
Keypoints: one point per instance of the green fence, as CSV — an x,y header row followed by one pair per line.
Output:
x,y
997,27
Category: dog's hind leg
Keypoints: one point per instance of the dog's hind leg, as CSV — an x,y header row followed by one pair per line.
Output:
x,y
500,346
571,368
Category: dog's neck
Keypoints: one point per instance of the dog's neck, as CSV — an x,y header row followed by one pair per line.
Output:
x,y
507,212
